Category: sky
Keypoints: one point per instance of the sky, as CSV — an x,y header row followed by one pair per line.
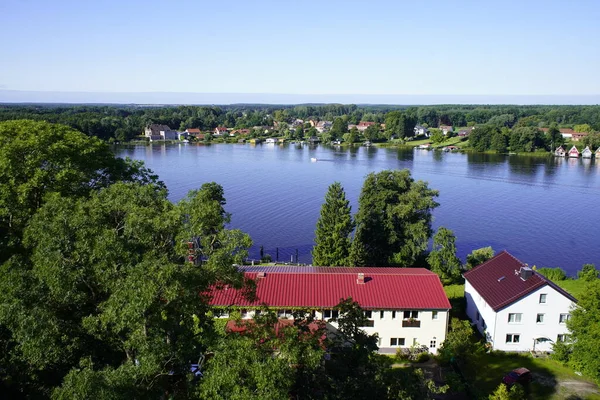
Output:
x,y
307,49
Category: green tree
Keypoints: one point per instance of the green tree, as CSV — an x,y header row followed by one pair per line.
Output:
x,y
499,141
583,128
554,137
339,127
107,296
478,257
351,136
393,223
480,138
525,139
332,237
461,346
588,273
442,259
39,158
554,274
299,133
584,326
372,132
437,136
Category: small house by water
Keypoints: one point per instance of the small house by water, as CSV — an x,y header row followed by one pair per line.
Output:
x,y
586,153
574,153
560,152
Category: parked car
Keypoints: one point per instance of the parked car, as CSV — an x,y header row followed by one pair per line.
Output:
x,y
519,375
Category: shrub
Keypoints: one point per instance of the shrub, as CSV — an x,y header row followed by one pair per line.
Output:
x,y
561,352
422,357
588,273
554,274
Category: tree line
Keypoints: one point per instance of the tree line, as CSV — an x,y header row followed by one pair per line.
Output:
x,y
126,122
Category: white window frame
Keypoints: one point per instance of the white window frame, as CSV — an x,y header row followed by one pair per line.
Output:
x,y
434,315
512,336
517,318
381,314
544,297
414,314
539,320
564,320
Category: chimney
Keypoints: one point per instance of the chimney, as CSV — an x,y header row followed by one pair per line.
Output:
x,y
361,279
526,273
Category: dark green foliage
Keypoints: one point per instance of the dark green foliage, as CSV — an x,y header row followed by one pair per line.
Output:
x,y
393,223
351,136
478,257
584,326
332,237
499,141
372,132
554,274
481,137
442,259
526,139
588,273
339,127
400,124
553,137
460,345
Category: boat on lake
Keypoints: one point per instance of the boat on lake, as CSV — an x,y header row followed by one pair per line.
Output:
x,y
313,159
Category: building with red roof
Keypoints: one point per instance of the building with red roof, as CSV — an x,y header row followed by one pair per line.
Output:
x,y
405,306
515,307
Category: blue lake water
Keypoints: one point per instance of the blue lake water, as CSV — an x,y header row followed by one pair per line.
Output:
x,y
542,210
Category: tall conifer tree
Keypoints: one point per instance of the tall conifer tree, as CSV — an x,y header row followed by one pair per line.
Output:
x,y
332,237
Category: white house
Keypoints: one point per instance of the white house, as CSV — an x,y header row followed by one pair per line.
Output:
x,y
421,130
160,132
515,307
586,153
405,306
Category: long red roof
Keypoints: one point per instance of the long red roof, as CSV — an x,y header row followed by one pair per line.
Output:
x,y
324,287
499,282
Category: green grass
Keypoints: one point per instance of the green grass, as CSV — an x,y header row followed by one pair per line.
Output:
x,y
573,286
455,291
487,372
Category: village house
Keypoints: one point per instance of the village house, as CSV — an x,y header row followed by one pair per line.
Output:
x,y
221,131
560,152
577,136
239,132
156,132
574,153
405,306
564,132
192,132
515,307
421,130
445,129
363,125
323,126
586,153
465,132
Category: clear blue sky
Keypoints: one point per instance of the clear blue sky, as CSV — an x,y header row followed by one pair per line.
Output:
x,y
302,47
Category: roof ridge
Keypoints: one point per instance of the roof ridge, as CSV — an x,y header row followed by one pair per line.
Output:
x,y
493,258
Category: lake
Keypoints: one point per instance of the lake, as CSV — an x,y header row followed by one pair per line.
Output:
x,y
542,210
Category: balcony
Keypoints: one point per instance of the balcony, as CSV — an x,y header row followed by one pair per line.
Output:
x,y
411,323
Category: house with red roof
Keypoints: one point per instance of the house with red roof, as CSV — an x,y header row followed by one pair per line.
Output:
x,y
515,307
405,306
574,153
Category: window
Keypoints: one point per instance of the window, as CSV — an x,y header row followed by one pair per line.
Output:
x,y
381,314
563,318
284,313
393,314
543,298
432,344
335,313
434,315
514,318
512,338
326,313
244,313
411,314
397,342
368,314
562,338
539,319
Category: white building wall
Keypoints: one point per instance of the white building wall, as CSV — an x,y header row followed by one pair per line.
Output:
x,y
528,329
430,332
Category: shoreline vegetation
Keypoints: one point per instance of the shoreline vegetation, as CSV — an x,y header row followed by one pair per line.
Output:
x,y
498,129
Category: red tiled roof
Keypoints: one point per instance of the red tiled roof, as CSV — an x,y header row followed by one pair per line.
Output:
x,y
366,123
193,130
324,287
499,282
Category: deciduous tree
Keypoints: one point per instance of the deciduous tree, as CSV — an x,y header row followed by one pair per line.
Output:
x,y
478,257
393,223
442,259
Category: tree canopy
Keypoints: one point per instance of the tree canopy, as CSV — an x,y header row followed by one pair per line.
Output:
x,y
442,259
393,223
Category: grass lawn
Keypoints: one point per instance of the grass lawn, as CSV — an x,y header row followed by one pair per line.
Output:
x,y
573,286
551,380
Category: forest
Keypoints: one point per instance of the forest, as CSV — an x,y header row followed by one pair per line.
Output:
x,y
127,122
